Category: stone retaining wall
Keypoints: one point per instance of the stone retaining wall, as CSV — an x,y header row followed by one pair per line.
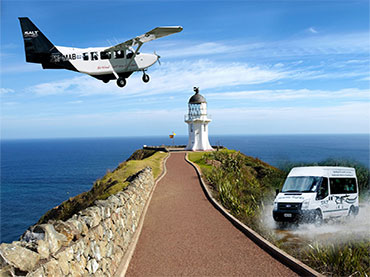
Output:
x,y
92,242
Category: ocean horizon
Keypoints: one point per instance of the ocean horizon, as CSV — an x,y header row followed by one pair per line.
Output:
x,y
38,174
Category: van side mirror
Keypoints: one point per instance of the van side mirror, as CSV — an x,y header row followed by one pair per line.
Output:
x,y
277,192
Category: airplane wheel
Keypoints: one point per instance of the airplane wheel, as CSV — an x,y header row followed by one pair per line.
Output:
x,y
146,78
121,82
105,80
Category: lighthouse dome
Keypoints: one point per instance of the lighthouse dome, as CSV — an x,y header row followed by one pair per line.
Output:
x,y
197,98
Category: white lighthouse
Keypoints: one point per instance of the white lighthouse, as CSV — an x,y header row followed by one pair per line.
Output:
x,y
197,121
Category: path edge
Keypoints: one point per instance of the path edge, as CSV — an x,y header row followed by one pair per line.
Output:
x,y
280,255
126,259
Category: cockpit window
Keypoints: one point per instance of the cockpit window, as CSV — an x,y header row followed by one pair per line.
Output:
x,y
301,184
129,55
105,55
119,54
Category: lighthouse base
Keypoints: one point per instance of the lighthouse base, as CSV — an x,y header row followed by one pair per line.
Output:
x,y
199,149
198,137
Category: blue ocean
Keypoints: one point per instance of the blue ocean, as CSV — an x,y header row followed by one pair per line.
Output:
x,y
39,174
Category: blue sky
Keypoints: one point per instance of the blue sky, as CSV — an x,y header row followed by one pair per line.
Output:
x,y
265,67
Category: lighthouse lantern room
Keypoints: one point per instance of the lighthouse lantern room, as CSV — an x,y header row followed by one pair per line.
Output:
x,y
197,121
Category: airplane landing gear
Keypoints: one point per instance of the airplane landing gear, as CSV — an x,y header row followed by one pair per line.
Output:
x,y
145,78
121,82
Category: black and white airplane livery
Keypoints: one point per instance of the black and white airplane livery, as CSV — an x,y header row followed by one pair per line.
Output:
x,y
104,63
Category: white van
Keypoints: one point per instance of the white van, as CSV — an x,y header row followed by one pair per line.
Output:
x,y
315,193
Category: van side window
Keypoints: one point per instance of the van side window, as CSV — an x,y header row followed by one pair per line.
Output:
x,y
94,56
343,185
323,190
105,55
85,56
119,54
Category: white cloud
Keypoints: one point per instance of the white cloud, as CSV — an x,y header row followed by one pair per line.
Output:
x,y
356,43
179,77
169,78
123,123
288,94
312,30
6,90
345,118
357,61
348,117
185,49
75,102
57,87
20,68
320,44
9,104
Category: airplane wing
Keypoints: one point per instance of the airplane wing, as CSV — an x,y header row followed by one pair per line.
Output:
x,y
149,36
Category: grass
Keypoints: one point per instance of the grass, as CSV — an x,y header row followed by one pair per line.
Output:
x,y
197,157
110,184
342,259
117,180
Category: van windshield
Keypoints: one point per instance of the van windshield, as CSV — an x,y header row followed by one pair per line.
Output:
x,y
301,184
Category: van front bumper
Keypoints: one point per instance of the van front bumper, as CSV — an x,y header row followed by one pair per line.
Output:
x,y
293,216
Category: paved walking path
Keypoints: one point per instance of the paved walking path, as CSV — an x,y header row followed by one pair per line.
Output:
x,y
183,234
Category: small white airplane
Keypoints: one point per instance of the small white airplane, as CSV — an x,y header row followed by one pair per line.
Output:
x,y
104,63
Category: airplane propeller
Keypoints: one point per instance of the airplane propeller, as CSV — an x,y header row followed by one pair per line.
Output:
x,y
159,61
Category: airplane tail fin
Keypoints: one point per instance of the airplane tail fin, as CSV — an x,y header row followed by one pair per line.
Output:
x,y
37,47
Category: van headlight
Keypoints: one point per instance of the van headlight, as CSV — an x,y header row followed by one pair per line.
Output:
x,y
275,206
305,204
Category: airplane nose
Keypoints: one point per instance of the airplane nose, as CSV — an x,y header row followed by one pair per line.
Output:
x,y
147,60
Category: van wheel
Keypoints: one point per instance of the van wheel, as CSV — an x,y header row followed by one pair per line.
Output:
x,y
352,212
317,217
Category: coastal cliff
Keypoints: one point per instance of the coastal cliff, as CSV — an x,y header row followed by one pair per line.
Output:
x,y
92,240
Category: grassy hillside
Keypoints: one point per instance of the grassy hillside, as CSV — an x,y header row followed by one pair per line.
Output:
x,y
110,184
242,184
